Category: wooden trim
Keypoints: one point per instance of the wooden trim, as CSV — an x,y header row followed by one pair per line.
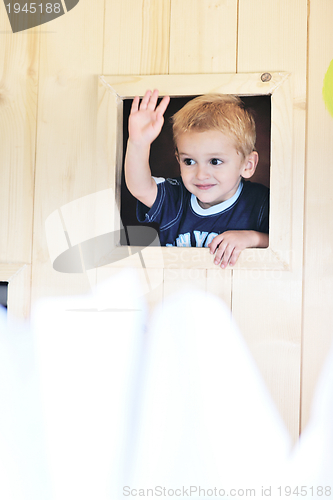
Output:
x,y
193,258
128,86
278,254
10,270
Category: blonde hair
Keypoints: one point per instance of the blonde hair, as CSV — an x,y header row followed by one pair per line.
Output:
x,y
223,112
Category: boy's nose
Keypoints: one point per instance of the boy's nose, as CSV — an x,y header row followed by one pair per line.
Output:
x,y
202,172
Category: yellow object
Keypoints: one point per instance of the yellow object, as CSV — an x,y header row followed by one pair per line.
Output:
x,y
328,88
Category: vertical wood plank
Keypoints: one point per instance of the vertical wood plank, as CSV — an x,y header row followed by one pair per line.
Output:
x,y
318,283
136,37
19,290
203,36
67,168
151,282
137,42
266,307
18,104
182,279
219,282
197,46
272,36
19,54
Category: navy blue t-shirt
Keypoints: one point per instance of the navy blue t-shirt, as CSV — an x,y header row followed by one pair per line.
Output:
x,y
183,223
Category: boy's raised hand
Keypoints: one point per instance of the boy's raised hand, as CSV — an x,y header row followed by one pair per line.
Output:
x,y
146,120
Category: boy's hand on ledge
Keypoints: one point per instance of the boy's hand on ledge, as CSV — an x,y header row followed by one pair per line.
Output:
x,y
228,245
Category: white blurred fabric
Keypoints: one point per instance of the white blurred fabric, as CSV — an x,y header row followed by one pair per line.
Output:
x,y
23,467
91,402
87,349
312,459
206,416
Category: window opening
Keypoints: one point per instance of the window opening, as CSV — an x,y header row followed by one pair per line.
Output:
x,y
3,293
164,164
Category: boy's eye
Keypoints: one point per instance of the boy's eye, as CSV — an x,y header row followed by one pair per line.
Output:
x,y
215,161
189,161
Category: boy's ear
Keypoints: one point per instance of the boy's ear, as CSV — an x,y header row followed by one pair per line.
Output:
x,y
177,155
250,165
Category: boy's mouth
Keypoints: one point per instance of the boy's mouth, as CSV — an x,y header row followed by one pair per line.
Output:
x,y
204,187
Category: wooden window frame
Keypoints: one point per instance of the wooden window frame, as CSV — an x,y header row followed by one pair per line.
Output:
x,y
114,89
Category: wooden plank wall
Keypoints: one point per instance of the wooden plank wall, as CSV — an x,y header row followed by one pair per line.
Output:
x,y
51,154
71,54
18,107
264,44
318,268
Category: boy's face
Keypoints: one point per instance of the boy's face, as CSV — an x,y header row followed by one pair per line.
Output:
x,y
211,167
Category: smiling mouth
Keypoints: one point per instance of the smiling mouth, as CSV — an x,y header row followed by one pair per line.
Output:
x,y
204,186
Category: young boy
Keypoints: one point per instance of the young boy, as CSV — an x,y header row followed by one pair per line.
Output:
x,y
211,204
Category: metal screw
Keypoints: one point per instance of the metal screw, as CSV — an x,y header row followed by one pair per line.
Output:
x,y
266,77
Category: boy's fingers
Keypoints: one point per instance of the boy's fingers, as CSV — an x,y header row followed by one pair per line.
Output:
x,y
135,104
226,256
153,100
234,257
220,252
145,100
163,105
215,243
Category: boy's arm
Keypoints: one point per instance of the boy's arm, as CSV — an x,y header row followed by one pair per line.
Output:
x,y
228,245
145,124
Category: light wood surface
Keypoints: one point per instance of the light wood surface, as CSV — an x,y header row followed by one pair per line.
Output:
x,y
18,300
273,36
246,83
19,65
59,144
151,282
318,283
219,282
199,39
66,167
266,307
136,37
18,105
176,280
